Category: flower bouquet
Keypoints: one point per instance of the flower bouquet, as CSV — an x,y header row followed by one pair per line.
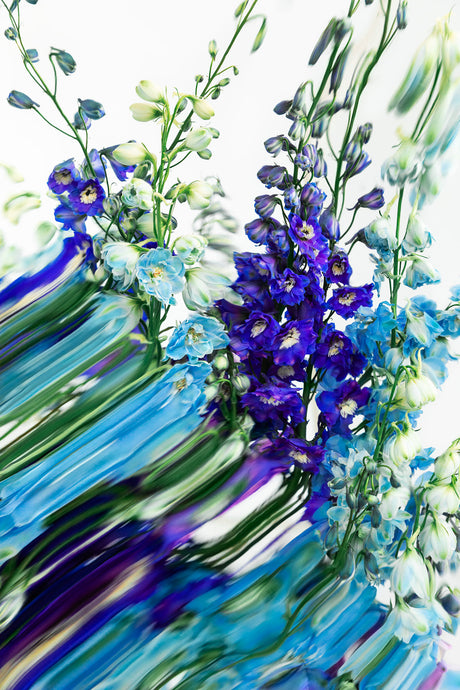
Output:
x,y
212,471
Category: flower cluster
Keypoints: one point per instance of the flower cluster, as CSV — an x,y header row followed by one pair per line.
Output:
x,y
282,333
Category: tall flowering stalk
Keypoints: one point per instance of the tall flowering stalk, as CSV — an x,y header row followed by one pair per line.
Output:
x,y
123,197
340,403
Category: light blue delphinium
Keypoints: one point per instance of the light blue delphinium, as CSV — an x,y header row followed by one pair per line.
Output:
x,y
161,274
120,258
420,272
196,337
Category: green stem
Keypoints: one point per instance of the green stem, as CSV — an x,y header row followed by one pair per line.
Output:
x,y
382,45
396,281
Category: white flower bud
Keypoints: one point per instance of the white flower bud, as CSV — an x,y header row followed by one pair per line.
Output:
x,y
120,258
203,288
220,363
137,193
131,153
241,383
405,165
417,237
402,447
415,391
190,248
198,194
409,621
393,501
448,463
143,112
410,574
198,139
149,91
437,539
202,108
443,498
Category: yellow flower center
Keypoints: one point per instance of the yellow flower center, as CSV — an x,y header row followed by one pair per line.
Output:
x,y
307,231
63,176
337,268
347,298
297,455
193,335
288,284
181,384
335,347
291,338
88,195
258,328
348,407
271,401
285,371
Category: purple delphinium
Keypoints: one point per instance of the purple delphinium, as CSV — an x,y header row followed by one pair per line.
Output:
x,y
336,353
64,177
340,406
295,340
289,287
347,300
87,197
338,268
277,403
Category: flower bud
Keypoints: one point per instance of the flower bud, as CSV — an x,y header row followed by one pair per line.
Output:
x,y
241,383
149,91
393,501
131,153
443,498
143,112
92,109
364,132
274,145
120,258
393,359
202,108
437,539
265,205
323,42
203,287
198,139
380,236
198,194
111,205
373,199
448,463
404,166
420,272
190,248
410,574
414,391
137,193
20,100
402,447
401,14
417,79
417,237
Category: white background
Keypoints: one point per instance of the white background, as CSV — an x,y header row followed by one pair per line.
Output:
x,y
116,44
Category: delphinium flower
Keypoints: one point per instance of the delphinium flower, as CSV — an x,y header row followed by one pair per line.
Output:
x,y
122,194
389,520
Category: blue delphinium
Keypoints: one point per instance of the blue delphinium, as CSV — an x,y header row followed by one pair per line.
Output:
x,y
161,274
196,337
